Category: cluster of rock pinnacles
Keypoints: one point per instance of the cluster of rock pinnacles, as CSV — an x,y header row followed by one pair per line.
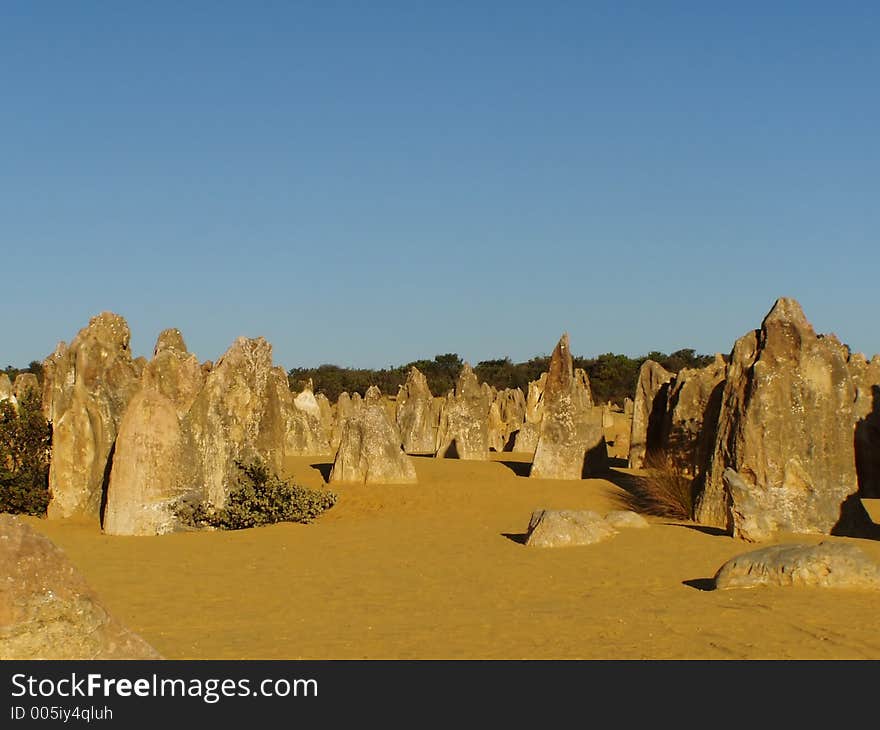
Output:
x,y
782,434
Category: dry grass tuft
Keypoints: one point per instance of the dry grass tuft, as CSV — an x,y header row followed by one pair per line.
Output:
x,y
663,491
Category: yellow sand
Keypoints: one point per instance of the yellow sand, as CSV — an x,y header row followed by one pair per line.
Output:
x,y
436,571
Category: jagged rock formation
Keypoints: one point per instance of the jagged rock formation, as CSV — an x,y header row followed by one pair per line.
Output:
x,y
497,428
783,457
866,411
237,416
344,408
826,565
569,428
370,450
306,434
47,611
510,406
649,408
154,463
173,371
24,383
417,418
527,437
693,404
618,427
328,417
150,468
87,387
464,420
6,388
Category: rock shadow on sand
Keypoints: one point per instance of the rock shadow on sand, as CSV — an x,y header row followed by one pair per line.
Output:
x,y
520,468
324,468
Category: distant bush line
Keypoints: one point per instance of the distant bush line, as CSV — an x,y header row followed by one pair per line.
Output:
x,y
612,377
34,367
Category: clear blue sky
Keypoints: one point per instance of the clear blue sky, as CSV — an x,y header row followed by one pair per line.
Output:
x,y
371,183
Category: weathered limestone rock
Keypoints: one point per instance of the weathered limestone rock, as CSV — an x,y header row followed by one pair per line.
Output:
x,y
238,415
569,428
416,417
582,394
174,372
826,565
649,408
344,410
464,421
565,528
866,411
527,438
786,432
47,611
505,423
512,409
618,427
497,428
6,392
150,469
692,407
58,379
88,387
305,431
370,450
24,383
626,518
327,416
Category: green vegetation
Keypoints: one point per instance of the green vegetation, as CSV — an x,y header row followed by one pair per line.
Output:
x,y
612,377
25,440
261,498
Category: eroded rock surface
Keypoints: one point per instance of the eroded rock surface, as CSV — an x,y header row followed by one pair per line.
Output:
x,y
826,565
47,610
783,456
370,450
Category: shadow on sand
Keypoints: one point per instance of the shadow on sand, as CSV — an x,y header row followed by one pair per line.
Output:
x,y
701,584
520,468
324,469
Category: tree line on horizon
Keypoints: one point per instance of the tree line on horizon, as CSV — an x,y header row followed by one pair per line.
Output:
x,y
613,377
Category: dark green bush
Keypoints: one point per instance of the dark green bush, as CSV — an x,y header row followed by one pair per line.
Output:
x,y
25,441
260,498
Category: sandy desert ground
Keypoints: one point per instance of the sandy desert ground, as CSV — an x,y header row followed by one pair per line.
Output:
x,y
437,570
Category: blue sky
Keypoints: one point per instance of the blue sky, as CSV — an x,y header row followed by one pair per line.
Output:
x,y
371,183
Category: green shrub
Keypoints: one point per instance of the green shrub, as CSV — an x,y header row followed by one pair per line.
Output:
x,y
25,441
261,498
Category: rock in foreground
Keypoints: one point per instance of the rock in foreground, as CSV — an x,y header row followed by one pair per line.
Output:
x,y
47,611
826,565
564,528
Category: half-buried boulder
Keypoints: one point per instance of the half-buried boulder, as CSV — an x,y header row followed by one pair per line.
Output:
x,y
826,565
566,528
